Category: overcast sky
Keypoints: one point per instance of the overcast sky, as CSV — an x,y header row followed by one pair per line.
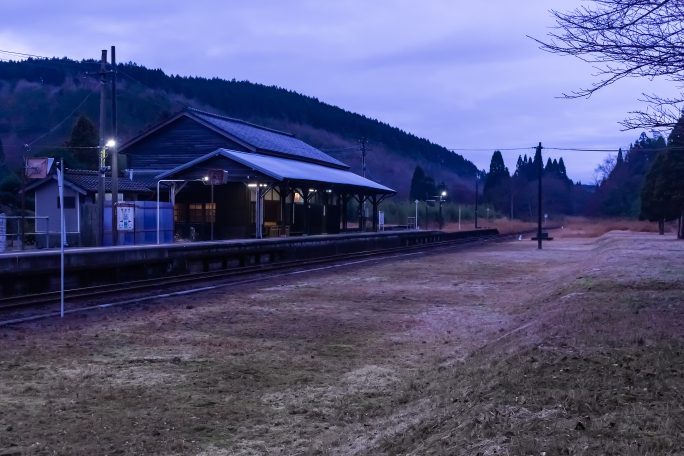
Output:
x,y
462,74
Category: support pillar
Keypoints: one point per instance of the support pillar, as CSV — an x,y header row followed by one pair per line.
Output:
x,y
345,200
374,200
284,210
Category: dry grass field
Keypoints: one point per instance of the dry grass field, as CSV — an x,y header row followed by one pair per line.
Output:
x,y
503,350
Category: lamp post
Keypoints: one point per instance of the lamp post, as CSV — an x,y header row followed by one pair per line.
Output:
x,y
110,145
477,191
101,189
416,223
442,197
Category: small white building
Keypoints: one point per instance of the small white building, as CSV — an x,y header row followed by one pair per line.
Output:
x,y
80,204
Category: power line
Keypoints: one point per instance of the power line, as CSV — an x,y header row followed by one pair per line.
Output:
x,y
23,54
578,149
53,129
486,149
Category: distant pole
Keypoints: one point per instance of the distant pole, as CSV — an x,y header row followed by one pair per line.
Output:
x,y
101,186
441,219
459,217
22,223
477,190
213,209
115,154
416,227
62,234
540,169
427,221
363,156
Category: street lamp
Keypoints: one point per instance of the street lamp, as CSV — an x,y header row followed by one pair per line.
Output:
x,y
442,197
477,191
101,189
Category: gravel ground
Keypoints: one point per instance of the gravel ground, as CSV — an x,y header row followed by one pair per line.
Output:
x,y
575,349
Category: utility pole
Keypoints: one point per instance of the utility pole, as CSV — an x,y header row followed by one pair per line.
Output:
x,y
540,169
363,173
102,150
115,154
363,156
477,190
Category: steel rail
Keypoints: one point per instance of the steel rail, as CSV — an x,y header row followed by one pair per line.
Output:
x,y
179,281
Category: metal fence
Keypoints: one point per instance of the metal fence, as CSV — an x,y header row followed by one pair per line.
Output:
x,y
24,232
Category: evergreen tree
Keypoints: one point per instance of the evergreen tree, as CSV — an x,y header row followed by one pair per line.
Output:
x,y
417,191
561,169
662,196
497,188
83,143
653,208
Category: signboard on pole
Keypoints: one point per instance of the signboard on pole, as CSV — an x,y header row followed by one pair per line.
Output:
x,y
37,167
217,177
125,217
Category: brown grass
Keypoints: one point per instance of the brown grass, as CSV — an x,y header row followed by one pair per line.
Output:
x,y
567,227
575,349
595,227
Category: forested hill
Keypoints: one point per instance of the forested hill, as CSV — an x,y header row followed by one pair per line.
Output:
x,y
37,94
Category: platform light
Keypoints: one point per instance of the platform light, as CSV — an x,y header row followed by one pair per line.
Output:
x,y
205,179
444,193
328,191
312,190
252,185
110,143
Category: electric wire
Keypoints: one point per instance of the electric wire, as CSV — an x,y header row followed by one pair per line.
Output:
x,y
53,129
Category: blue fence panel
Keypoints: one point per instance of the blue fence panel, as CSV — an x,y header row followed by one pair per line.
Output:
x,y
145,224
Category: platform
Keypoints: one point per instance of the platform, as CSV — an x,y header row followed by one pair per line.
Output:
x,y
38,270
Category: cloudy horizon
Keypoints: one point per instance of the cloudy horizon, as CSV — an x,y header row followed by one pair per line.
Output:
x,y
467,77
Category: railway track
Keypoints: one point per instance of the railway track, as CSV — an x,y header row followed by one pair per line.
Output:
x,y
18,309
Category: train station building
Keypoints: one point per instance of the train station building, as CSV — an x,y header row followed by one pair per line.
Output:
x,y
227,179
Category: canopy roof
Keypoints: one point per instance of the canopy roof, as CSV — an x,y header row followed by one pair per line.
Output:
x,y
280,169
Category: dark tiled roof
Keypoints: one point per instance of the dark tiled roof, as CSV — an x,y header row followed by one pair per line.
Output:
x,y
265,139
89,181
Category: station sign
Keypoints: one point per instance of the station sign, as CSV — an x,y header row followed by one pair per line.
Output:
x,y
217,177
37,167
125,217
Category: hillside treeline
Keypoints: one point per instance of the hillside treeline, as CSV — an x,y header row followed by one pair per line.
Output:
x,y
37,94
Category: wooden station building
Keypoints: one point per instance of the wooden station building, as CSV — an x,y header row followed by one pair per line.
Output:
x,y
230,179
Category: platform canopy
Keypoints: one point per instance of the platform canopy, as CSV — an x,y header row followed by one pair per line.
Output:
x,y
277,169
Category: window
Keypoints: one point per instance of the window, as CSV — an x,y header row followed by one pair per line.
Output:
x,y
180,213
69,202
210,212
196,213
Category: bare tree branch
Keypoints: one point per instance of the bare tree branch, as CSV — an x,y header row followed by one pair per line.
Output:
x,y
626,39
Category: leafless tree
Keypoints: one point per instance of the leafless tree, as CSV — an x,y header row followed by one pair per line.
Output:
x,y
623,39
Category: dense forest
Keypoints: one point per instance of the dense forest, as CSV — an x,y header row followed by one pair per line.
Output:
x,y
37,95
50,106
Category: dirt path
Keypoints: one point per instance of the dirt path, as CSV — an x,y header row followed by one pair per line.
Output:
x,y
504,350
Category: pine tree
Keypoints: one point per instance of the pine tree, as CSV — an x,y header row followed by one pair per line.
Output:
x,y
497,186
83,143
417,191
662,197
